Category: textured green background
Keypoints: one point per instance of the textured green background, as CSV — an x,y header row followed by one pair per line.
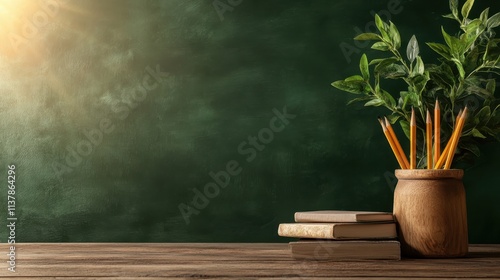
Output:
x,y
226,75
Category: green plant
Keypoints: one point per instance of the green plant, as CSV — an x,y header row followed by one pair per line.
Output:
x,y
465,73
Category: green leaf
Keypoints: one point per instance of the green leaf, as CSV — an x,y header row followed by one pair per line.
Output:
x,y
387,98
393,118
454,8
482,117
375,102
441,49
377,84
420,82
477,134
394,35
474,26
472,60
490,86
492,50
412,50
410,98
363,67
474,85
382,27
419,67
379,61
484,16
442,75
453,43
466,8
471,147
390,71
495,117
405,125
359,99
367,36
472,31
381,46
460,68
493,21
401,103
451,16
497,108
356,87
354,78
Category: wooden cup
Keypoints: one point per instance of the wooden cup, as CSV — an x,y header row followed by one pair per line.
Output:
x,y
430,212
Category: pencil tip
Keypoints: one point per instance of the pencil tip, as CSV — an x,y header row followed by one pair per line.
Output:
x,y
464,113
387,123
381,122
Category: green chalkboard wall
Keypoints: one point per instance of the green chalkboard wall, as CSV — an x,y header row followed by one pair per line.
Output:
x,y
119,116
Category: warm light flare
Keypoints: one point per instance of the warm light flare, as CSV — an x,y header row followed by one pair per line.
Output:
x,y
12,12
22,22
9,6
13,15
24,48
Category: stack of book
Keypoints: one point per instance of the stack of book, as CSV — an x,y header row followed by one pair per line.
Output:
x,y
343,235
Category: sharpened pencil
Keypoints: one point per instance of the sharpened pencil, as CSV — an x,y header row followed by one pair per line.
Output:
x,y
442,158
392,144
428,139
437,132
444,154
455,139
401,153
413,140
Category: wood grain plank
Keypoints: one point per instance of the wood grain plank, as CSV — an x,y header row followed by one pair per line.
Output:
x,y
226,260
225,278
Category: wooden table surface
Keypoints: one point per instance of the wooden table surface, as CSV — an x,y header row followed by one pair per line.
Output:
x,y
225,260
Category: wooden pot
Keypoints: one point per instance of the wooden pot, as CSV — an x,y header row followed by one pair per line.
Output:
x,y
431,214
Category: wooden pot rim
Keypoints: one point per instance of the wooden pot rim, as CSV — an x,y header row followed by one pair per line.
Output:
x,y
429,174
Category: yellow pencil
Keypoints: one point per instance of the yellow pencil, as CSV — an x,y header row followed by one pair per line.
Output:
x,y
444,154
437,132
392,144
442,158
456,137
399,149
413,141
428,134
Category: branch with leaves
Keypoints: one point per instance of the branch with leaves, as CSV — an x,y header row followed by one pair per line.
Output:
x,y
468,63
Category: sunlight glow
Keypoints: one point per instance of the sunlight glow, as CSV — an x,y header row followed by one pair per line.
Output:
x,y
7,6
25,26
21,21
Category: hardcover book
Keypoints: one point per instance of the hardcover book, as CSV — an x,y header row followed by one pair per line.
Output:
x,y
337,216
338,230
